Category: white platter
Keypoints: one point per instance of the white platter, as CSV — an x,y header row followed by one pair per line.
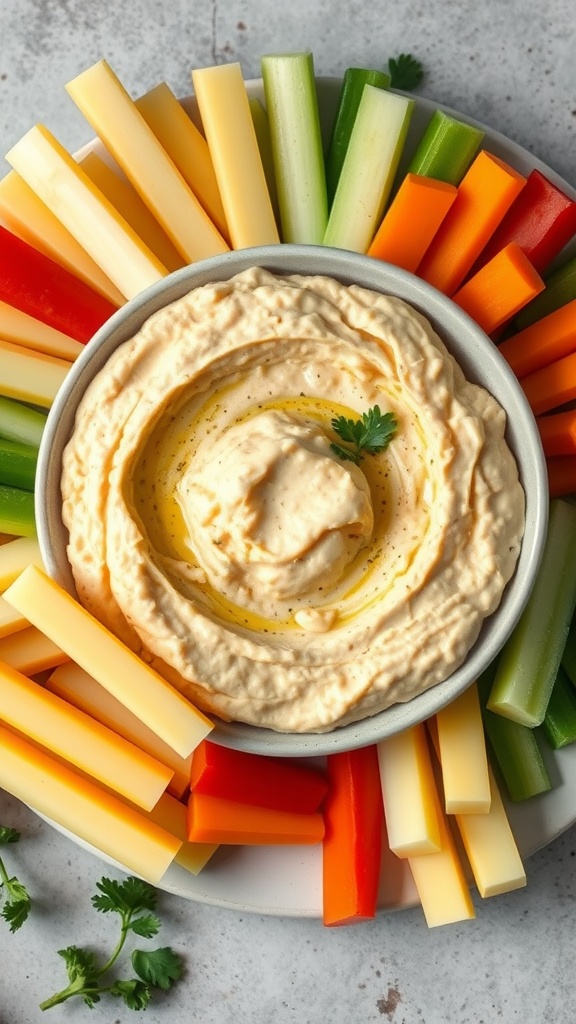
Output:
x,y
285,881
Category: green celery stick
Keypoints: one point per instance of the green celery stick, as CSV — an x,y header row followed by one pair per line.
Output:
x,y
294,120
560,289
17,464
369,167
262,129
17,512
514,749
569,654
559,725
530,659
18,422
446,149
351,91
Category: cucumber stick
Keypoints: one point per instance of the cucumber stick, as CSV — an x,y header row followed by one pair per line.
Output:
x,y
18,422
559,725
560,289
446,149
17,512
531,657
353,84
295,135
369,168
17,464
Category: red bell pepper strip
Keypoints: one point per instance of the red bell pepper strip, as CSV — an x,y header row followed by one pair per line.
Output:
x,y
285,785
37,285
541,220
352,847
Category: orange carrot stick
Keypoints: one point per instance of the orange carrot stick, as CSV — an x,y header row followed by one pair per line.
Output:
x,y
561,475
551,386
545,341
485,193
558,433
412,220
213,819
500,288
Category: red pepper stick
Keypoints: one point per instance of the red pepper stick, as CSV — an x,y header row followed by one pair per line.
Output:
x,y
352,847
37,285
286,785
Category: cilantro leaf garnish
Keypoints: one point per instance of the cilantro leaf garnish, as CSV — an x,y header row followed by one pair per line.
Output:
x,y
17,902
372,434
405,72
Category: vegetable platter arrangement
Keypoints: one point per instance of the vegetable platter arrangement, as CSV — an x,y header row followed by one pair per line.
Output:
x,y
168,183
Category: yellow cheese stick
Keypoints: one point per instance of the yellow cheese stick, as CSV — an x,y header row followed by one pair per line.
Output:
x,y
409,793
30,376
59,182
11,621
73,684
25,214
107,106
491,847
87,642
30,651
15,556
25,330
80,806
186,147
124,198
229,127
70,734
462,755
172,815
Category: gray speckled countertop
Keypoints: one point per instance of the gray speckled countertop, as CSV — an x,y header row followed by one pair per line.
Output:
x,y
510,64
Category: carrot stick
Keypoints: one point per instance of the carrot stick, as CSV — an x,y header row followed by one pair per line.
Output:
x,y
561,475
551,386
545,341
558,433
500,288
213,819
484,195
412,220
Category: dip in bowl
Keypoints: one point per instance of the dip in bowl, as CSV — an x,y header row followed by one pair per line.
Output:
x,y
195,493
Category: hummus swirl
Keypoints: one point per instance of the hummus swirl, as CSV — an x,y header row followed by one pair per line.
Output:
x,y
216,530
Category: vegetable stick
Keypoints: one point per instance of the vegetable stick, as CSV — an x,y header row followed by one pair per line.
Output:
x,y
294,121
186,147
17,512
408,789
30,376
545,341
517,754
568,661
446,149
530,658
15,556
264,139
369,167
353,82
19,422
486,191
559,725
560,289
551,386
462,755
58,180
27,331
213,819
561,475
124,198
83,808
227,120
17,464
172,815
499,288
30,652
558,432
48,607
412,220
107,106
352,845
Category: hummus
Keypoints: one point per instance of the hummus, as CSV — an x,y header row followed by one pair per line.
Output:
x,y
216,530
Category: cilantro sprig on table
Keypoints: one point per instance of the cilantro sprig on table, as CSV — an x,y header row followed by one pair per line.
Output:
x,y
405,72
17,902
371,434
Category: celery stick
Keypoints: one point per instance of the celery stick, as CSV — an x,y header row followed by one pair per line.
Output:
x,y
294,119
351,91
18,422
514,749
446,149
369,167
530,659
17,512
560,289
569,654
17,464
263,138
559,725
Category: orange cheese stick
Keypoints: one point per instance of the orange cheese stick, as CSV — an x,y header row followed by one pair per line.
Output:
x,y
551,386
543,342
561,475
213,819
172,815
558,433
485,193
78,805
500,288
412,220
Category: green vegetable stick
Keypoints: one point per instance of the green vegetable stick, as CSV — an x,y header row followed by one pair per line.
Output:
x,y
294,120
560,289
351,91
446,149
18,422
530,659
369,167
262,129
569,654
17,512
559,725
17,464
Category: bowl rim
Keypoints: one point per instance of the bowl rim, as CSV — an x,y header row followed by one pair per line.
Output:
x,y
450,321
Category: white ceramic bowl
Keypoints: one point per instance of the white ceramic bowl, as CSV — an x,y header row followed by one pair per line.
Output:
x,y
481,363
